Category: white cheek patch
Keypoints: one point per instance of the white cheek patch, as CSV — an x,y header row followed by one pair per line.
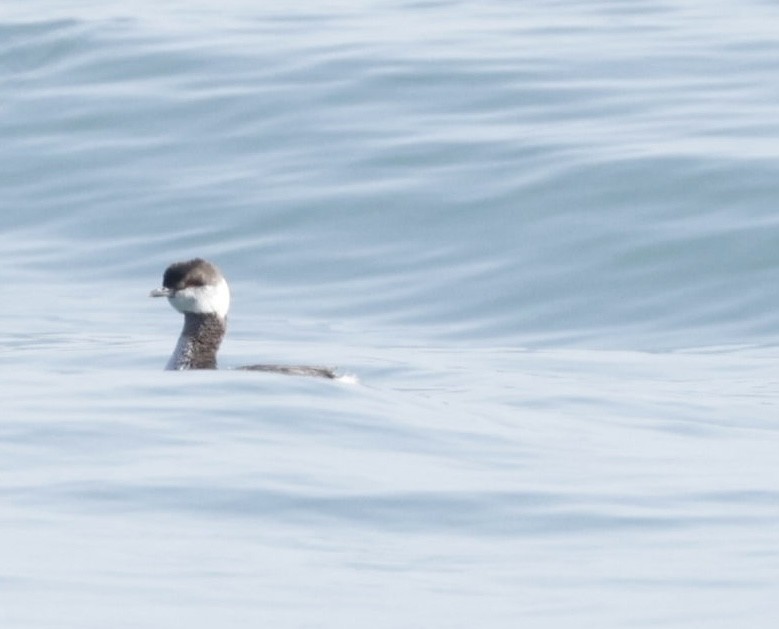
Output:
x,y
211,299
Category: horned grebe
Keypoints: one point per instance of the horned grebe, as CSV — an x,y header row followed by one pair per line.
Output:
x,y
198,289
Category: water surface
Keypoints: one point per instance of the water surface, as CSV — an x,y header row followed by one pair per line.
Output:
x,y
543,238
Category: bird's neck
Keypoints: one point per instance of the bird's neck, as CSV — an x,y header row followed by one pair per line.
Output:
x,y
199,342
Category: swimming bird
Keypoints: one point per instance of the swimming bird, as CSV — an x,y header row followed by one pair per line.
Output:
x,y
198,290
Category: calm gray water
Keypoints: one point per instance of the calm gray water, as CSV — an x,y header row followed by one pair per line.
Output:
x,y
542,235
